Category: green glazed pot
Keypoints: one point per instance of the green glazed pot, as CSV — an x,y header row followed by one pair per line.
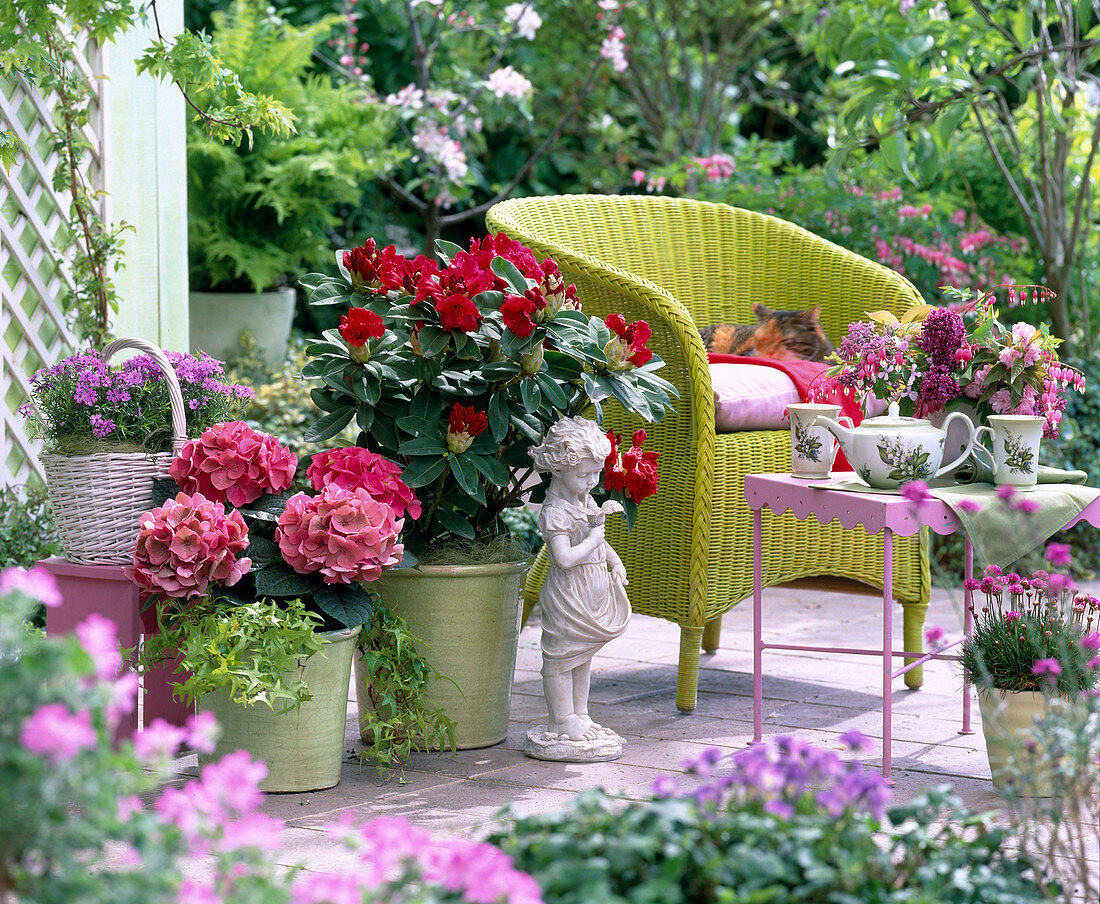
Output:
x,y
468,619
217,320
303,748
1007,718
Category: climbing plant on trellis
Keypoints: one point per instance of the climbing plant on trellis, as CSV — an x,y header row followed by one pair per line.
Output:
x,y
33,271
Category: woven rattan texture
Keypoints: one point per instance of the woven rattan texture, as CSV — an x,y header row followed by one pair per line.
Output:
x,y
98,499
681,264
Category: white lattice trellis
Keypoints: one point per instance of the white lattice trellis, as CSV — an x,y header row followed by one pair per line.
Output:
x,y
33,274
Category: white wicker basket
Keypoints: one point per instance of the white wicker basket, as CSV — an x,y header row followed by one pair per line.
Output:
x,y
98,499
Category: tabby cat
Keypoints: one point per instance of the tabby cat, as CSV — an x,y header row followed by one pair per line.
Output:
x,y
784,335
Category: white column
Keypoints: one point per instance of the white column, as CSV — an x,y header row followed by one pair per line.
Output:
x,y
146,184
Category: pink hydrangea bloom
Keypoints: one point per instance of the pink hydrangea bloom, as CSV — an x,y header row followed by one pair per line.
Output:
x,y
186,544
347,535
54,731
352,468
233,463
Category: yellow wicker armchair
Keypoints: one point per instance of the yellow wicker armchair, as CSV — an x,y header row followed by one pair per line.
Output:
x,y
677,264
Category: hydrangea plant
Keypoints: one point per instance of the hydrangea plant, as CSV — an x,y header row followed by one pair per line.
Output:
x,y
454,371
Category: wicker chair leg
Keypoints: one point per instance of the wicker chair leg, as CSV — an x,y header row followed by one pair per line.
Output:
x,y
913,614
712,634
687,675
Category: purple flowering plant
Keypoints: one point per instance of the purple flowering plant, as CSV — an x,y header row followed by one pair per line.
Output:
x,y
935,359
1033,632
85,404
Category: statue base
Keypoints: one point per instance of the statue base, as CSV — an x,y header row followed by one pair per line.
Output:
x,y
541,744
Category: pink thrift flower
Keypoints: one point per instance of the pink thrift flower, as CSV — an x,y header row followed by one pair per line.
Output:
x,y
36,582
1027,506
185,545
856,740
1050,667
916,491
352,468
346,535
1059,554
969,505
1091,641
233,463
1005,492
99,639
54,731
934,634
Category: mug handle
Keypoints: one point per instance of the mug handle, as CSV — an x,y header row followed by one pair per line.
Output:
x,y
969,446
847,422
985,428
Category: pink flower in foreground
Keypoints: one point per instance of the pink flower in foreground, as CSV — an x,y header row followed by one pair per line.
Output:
x,y
934,634
54,731
233,463
969,505
856,740
1059,554
347,535
186,544
352,468
1049,667
158,742
202,731
99,639
36,582
916,491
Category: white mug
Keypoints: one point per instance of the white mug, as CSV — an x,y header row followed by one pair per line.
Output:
x,y
813,449
1014,439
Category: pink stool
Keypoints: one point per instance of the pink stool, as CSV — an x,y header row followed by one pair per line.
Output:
x,y
106,591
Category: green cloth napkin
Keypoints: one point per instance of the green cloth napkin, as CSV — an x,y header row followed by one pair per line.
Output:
x,y
999,533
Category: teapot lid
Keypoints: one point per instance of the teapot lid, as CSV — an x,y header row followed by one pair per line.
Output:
x,y
893,419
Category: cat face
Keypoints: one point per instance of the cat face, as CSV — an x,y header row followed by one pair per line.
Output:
x,y
790,335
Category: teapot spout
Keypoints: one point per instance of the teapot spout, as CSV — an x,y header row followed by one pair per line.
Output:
x,y
843,434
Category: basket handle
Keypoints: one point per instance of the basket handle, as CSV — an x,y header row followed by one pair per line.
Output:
x,y
175,394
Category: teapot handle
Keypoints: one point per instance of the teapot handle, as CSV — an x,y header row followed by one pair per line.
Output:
x,y
969,443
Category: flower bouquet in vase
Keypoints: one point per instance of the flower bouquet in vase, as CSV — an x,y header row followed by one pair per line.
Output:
x,y
454,369
260,589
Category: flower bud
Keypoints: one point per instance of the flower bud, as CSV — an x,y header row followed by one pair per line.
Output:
x,y
359,354
531,363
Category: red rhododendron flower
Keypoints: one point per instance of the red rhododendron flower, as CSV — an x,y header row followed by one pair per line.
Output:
x,y
185,545
518,311
406,276
354,467
233,463
358,325
372,268
465,423
464,277
637,335
346,535
457,312
500,245
617,324
614,477
640,473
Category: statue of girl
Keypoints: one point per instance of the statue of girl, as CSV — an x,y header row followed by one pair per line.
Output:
x,y
584,603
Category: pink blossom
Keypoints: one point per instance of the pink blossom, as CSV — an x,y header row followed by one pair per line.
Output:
x,y
435,143
195,891
410,97
99,639
613,49
326,888
526,20
36,582
121,697
969,505
934,634
253,830
202,731
1091,641
1009,356
1049,667
856,740
346,535
916,491
185,545
638,176
233,463
506,82
354,467
54,731
158,742
1059,554
1027,506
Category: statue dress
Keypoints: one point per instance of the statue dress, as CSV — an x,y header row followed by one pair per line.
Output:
x,y
582,607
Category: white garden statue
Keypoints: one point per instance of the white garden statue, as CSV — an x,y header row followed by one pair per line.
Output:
x,y
583,602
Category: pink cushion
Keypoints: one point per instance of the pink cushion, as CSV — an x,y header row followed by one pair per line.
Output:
x,y
751,397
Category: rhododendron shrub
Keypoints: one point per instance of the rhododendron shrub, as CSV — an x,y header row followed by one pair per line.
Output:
x,y
476,358
233,463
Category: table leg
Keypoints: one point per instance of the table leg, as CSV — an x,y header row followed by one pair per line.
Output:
x,y
968,625
757,632
887,649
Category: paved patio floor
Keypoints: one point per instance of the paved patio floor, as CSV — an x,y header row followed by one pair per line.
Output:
x,y
813,696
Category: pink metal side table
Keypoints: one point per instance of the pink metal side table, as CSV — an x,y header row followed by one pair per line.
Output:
x,y
877,512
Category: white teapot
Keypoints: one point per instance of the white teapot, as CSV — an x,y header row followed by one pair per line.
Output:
x,y
890,451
